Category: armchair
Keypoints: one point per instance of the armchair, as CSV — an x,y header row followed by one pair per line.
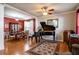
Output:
x,y
70,40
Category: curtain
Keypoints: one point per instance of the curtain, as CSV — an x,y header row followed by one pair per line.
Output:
x,y
77,22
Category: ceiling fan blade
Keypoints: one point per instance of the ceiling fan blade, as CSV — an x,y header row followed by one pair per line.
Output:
x,y
50,13
51,10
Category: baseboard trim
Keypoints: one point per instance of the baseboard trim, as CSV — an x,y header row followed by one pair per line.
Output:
x,y
1,52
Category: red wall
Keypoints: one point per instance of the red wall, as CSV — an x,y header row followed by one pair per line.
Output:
x,y
11,20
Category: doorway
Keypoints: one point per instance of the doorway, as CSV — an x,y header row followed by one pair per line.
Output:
x,y
28,26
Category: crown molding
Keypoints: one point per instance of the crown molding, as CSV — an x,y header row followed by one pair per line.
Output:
x,y
67,12
12,17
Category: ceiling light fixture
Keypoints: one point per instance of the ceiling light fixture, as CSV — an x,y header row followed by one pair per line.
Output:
x,y
44,10
47,11
44,13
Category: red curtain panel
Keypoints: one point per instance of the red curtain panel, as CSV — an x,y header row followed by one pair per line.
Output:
x,y
77,22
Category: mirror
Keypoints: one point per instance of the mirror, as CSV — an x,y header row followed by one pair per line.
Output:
x,y
53,22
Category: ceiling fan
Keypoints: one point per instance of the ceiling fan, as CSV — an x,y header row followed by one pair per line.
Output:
x,y
46,10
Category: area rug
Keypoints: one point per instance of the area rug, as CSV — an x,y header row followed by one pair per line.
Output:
x,y
44,48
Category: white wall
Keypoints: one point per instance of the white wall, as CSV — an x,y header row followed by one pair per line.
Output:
x,y
66,21
1,27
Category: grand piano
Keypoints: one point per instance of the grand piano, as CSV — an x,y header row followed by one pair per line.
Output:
x,y
47,30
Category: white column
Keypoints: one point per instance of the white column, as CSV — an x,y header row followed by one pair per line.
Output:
x,y
1,27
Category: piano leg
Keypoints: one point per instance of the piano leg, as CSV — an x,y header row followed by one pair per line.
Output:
x,y
41,35
53,36
36,39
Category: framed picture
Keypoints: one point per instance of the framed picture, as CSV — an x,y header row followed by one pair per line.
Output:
x,y
53,22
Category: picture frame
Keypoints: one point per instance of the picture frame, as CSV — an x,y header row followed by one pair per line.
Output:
x,y
53,22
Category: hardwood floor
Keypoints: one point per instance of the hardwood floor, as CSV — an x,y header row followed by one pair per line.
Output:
x,y
18,47
62,49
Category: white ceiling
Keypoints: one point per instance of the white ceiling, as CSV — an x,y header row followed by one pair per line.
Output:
x,y
34,8
17,14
